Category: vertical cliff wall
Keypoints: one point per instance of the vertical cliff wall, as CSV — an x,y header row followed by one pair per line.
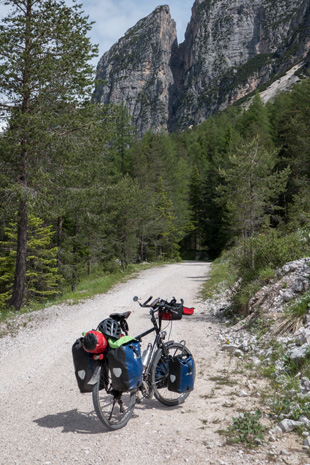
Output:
x,y
137,71
231,48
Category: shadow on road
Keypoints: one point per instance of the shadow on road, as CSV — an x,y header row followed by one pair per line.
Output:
x,y
78,422
72,421
202,279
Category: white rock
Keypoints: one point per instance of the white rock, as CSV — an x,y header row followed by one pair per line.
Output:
x,y
304,420
238,353
304,336
298,353
229,347
298,285
287,296
277,431
287,425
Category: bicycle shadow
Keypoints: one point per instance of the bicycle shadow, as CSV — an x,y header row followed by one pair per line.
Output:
x,y
155,405
72,421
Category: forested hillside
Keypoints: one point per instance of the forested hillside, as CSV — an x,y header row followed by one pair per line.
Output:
x,y
80,191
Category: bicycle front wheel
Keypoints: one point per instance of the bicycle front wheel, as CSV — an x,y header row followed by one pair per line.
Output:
x,y
160,373
113,408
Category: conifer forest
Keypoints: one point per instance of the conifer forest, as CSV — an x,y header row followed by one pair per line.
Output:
x,y
82,192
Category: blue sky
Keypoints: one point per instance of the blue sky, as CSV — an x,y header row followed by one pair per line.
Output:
x,y
114,17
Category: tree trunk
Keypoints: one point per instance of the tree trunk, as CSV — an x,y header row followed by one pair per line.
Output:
x,y
124,250
21,256
20,270
59,239
75,258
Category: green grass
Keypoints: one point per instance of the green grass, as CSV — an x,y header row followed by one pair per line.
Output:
x,y
221,273
89,286
299,307
246,429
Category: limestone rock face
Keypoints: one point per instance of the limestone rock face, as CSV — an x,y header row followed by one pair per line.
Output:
x,y
136,71
231,48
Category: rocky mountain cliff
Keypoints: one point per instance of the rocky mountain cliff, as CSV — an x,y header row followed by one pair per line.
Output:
x,y
137,70
231,48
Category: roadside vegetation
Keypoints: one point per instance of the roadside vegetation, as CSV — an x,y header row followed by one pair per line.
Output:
x,y
286,395
88,287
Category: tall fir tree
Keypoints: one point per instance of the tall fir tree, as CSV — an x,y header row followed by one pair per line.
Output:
x,y
42,275
44,74
251,189
195,204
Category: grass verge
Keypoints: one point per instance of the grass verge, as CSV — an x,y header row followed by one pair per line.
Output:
x,y
89,286
221,276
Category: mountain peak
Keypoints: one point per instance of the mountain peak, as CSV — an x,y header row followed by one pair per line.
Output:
x,y
231,48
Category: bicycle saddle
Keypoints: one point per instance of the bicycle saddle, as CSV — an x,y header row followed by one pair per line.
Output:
x,y
120,316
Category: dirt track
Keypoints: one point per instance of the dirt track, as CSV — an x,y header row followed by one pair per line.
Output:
x,y
45,420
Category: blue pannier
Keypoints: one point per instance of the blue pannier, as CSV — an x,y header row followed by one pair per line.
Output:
x,y
181,373
125,366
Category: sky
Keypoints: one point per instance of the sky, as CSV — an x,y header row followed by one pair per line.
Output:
x,y
114,17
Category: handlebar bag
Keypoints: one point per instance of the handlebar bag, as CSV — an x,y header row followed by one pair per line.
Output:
x,y
84,366
125,366
175,313
181,373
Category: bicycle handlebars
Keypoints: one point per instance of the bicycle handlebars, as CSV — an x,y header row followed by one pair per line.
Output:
x,y
159,303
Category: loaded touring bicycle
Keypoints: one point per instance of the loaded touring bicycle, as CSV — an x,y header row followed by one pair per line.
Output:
x,y
109,364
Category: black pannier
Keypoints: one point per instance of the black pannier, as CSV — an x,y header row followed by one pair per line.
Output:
x,y
181,373
125,365
84,366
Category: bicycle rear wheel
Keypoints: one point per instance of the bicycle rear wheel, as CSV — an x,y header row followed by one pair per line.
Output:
x,y
113,408
160,373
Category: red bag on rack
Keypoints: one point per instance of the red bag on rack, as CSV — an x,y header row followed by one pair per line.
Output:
x,y
188,311
95,342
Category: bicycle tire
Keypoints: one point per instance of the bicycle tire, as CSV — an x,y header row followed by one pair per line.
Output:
x,y
114,409
159,375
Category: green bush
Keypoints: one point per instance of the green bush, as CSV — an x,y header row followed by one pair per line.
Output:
x,y
299,307
267,251
270,249
222,272
247,429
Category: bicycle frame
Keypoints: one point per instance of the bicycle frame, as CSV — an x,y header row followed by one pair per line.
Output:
x,y
157,343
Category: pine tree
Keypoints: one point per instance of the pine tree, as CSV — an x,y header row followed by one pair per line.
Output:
x,y
170,235
42,276
195,203
255,122
122,139
292,128
44,74
251,189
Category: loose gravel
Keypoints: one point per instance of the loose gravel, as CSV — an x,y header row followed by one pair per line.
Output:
x,y
45,420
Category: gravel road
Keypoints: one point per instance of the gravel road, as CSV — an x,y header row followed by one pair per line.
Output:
x,y
45,420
